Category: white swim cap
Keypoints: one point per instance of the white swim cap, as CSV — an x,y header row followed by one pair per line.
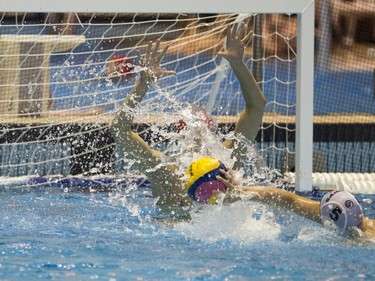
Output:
x,y
341,211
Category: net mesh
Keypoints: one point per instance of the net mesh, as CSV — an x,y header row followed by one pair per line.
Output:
x,y
64,76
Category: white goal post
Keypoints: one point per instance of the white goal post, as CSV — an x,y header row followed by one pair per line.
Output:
x,y
304,9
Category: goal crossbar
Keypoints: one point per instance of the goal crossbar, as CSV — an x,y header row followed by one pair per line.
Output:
x,y
160,6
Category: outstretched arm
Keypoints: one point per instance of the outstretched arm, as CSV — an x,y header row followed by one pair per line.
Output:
x,y
251,117
300,205
130,141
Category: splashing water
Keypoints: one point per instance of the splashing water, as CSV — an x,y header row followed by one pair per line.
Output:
x,y
245,222
242,221
196,140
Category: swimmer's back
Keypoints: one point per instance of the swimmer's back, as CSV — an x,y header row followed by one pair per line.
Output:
x,y
167,187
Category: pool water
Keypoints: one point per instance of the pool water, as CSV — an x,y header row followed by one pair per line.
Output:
x,y
57,234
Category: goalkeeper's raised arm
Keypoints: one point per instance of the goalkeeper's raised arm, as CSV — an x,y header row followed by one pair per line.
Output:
x,y
251,117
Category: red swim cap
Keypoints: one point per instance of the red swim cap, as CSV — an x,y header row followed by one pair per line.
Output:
x,y
202,115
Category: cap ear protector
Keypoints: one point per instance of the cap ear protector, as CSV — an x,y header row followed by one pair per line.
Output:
x,y
340,210
201,183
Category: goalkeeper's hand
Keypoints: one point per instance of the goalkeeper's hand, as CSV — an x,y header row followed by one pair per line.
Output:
x,y
150,63
237,39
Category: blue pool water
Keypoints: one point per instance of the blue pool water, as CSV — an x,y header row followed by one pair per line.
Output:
x,y
64,234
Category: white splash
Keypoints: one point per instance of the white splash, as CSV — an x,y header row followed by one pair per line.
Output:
x,y
244,222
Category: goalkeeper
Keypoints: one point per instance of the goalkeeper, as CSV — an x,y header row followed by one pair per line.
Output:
x,y
167,183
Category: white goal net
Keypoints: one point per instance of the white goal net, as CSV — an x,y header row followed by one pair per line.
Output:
x,y
63,76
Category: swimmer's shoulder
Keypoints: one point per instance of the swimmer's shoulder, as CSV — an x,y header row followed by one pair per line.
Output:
x,y
368,227
167,186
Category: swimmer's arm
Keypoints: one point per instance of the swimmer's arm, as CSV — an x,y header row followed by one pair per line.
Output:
x,y
300,205
274,196
123,120
121,124
251,118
